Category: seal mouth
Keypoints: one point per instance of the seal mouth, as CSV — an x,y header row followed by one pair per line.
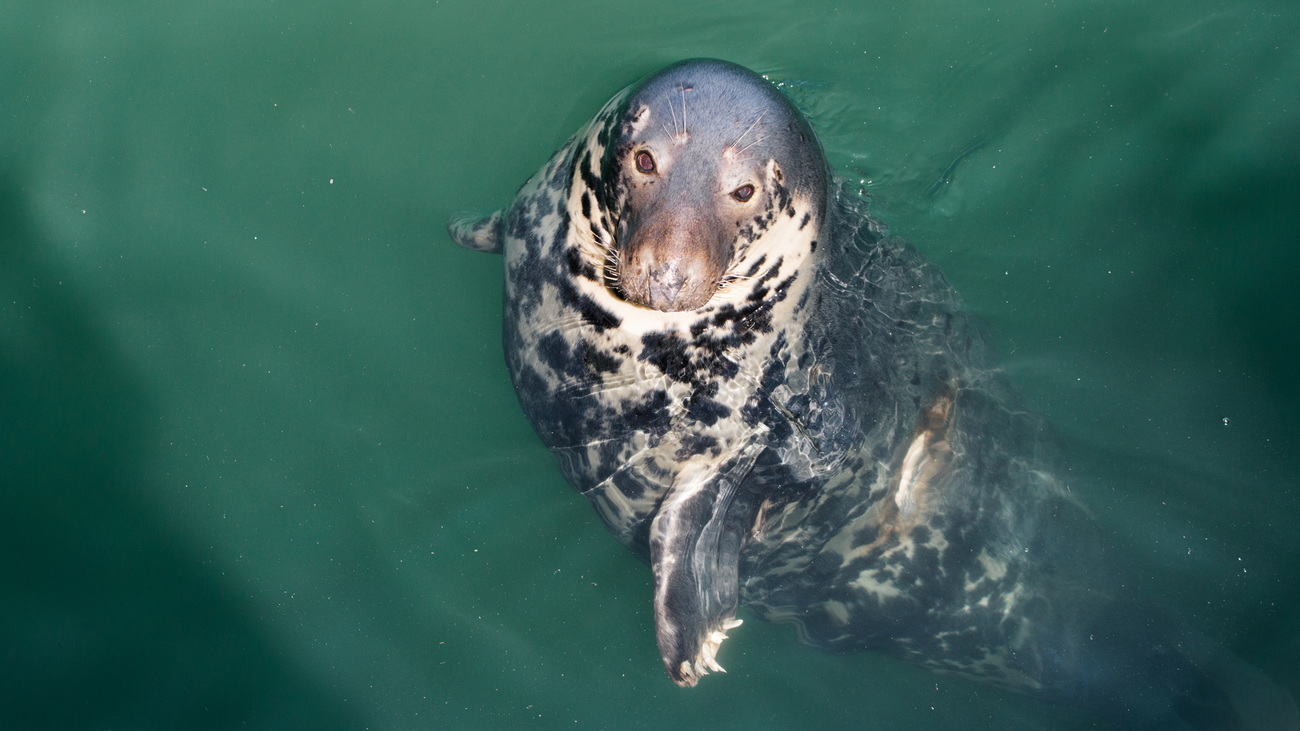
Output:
x,y
673,286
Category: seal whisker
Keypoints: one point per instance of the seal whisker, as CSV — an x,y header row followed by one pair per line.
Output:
x,y
602,255
730,279
755,142
587,236
685,129
749,128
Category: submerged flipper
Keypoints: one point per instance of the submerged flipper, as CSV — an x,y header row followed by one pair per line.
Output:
x,y
695,551
480,234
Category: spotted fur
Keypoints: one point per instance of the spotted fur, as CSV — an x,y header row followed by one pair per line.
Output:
x,y
824,441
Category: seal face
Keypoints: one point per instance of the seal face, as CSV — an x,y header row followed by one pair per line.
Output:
x,y
693,177
773,403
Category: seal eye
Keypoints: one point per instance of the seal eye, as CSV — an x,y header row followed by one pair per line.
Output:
x,y
645,162
743,193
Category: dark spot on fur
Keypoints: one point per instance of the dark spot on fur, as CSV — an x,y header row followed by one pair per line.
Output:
x,y
771,272
694,443
783,197
588,172
706,410
554,351
652,408
595,315
597,360
667,352
760,291
560,175
578,267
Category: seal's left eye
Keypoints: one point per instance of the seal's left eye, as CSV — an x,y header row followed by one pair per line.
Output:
x,y
743,193
645,162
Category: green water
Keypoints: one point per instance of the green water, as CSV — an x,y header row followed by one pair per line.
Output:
x,y
260,462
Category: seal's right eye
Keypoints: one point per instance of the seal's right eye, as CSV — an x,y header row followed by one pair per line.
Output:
x,y
645,162
743,193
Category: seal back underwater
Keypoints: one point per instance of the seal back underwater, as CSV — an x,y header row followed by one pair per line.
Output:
x,y
775,404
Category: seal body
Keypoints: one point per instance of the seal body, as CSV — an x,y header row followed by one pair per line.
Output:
x,y
777,405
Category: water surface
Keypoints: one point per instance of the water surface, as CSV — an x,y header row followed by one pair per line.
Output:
x,y
260,460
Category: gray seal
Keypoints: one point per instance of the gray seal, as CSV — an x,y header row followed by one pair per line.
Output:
x,y
777,405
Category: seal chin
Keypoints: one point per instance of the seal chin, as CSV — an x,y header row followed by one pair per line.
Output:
x,y
674,286
666,289
671,294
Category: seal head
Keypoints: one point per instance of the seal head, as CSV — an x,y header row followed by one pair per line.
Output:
x,y
704,150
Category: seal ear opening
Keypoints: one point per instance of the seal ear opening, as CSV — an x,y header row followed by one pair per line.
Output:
x,y
479,234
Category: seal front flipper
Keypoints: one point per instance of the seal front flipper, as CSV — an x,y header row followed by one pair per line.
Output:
x,y
694,551
480,234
